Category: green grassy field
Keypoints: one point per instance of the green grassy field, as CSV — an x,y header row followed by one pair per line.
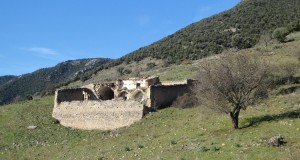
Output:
x,y
171,133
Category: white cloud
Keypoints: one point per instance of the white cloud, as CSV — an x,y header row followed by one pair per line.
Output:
x,y
42,50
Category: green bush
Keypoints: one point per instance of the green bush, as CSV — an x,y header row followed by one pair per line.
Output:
x,y
127,71
127,149
150,65
294,26
173,142
204,149
140,146
280,34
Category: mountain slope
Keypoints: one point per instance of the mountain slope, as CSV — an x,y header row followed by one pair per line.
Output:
x,y
239,27
46,79
5,79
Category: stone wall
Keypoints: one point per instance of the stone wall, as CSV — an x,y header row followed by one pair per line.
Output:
x,y
165,95
68,95
91,107
103,115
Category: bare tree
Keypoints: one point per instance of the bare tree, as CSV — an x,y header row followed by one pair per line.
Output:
x,y
265,39
232,82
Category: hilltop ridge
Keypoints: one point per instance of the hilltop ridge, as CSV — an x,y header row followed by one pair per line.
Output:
x,y
45,80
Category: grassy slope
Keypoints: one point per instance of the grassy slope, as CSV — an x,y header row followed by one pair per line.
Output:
x,y
279,54
171,133
167,134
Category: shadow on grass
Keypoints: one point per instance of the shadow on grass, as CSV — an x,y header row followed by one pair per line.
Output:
x,y
254,121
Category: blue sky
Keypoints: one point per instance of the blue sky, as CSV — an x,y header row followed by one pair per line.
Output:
x,y
36,34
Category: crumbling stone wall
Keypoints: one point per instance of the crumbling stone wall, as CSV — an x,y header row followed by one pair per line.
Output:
x,y
165,95
103,115
113,105
68,95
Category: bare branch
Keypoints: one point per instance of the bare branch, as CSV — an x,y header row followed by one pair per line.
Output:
x,y
231,82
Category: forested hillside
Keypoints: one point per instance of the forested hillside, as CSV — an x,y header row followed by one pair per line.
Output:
x,y
239,27
45,80
5,79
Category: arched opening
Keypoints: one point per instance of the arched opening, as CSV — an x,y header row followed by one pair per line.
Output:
x,y
138,96
105,93
123,95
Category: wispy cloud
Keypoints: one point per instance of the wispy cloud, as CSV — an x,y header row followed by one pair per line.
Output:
x,y
41,50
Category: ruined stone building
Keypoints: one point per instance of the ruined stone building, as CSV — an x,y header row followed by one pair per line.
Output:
x,y
109,106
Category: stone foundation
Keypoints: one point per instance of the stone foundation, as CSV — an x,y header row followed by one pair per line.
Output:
x,y
103,115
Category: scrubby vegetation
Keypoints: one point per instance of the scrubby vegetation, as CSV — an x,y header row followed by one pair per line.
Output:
x,y
239,27
45,80
281,33
187,100
170,133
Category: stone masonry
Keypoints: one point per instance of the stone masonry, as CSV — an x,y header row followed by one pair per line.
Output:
x,y
103,115
110,106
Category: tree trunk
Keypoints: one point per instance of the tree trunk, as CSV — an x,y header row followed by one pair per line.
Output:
x,y
235,119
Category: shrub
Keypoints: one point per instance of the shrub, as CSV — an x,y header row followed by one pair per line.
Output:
x,y
204,149
173,142
120,71
280,34
127,71
265,39
140,146
237,145
240,42
294,26
84,78
127,149
215,148
282,74
150,65
186,101
29,97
